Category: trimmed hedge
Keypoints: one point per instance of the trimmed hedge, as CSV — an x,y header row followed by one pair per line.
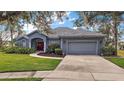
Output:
x,y
2,49
19,50
52,47
108,51
58,51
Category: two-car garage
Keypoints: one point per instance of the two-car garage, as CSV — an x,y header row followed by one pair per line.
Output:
x,y
82,47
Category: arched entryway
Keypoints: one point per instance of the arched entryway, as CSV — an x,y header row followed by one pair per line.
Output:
x,y
38,44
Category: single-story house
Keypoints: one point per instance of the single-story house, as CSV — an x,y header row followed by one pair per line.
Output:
x,y
71,41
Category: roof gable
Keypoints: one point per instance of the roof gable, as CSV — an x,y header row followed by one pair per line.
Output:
x,y
25,37
36,31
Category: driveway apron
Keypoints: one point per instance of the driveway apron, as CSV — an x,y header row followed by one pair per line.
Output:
x,y
85,68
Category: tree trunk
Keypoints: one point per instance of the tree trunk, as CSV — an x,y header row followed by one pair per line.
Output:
x,y
85,20
114,17
116,36
116,41
11,36
1,42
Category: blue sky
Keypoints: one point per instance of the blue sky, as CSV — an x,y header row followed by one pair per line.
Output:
x,y
66,22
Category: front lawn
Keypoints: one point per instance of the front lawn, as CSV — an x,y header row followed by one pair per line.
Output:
x,y
20,62
21,79
117,61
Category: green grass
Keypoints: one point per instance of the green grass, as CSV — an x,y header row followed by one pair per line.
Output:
x,y
117,61
21,79
20,62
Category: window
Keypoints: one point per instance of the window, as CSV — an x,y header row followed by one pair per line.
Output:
x,y
23,43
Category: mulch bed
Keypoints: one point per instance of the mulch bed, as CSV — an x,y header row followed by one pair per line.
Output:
x,y
50,55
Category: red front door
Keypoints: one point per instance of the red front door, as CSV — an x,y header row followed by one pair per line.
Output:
x,y
40,46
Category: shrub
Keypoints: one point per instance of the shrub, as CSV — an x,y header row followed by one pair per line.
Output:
x,y
52,47
49,50
9,50
58,51
108,51
2,49
19,50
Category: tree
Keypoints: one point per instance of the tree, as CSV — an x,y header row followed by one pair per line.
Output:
x,y
90,18
1,42
15,20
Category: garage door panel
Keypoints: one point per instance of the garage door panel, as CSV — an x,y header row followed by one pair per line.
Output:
x,y
82,47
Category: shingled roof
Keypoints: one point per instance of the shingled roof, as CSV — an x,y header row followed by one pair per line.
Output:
x,y
64,32
67,32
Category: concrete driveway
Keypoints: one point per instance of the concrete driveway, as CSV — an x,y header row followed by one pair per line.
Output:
x,y
86,68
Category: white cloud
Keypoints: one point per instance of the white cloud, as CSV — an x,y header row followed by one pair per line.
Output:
x,y
75,28
68,13
72,19
83,27
61,22
29,28
54,18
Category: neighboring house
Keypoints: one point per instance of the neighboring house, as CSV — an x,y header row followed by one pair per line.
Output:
x,y
71,41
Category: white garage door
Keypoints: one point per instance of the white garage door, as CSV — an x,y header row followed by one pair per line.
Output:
x,y
88,48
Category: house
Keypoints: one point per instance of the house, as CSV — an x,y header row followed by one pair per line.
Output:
x,y
71,41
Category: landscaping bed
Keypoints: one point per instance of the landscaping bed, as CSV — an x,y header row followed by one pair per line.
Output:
x,y
51,55
53,50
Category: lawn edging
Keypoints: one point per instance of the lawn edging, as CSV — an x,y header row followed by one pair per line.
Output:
x,y
36,55
119,61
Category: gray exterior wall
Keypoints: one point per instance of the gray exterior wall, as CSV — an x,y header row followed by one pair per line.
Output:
x,y
53,41
63,42
21,41
67,40
38,35
30,38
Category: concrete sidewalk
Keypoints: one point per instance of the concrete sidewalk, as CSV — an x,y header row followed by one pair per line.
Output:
x,y
37,74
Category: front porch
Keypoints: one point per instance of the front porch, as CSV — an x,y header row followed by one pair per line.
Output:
x,y
38,44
